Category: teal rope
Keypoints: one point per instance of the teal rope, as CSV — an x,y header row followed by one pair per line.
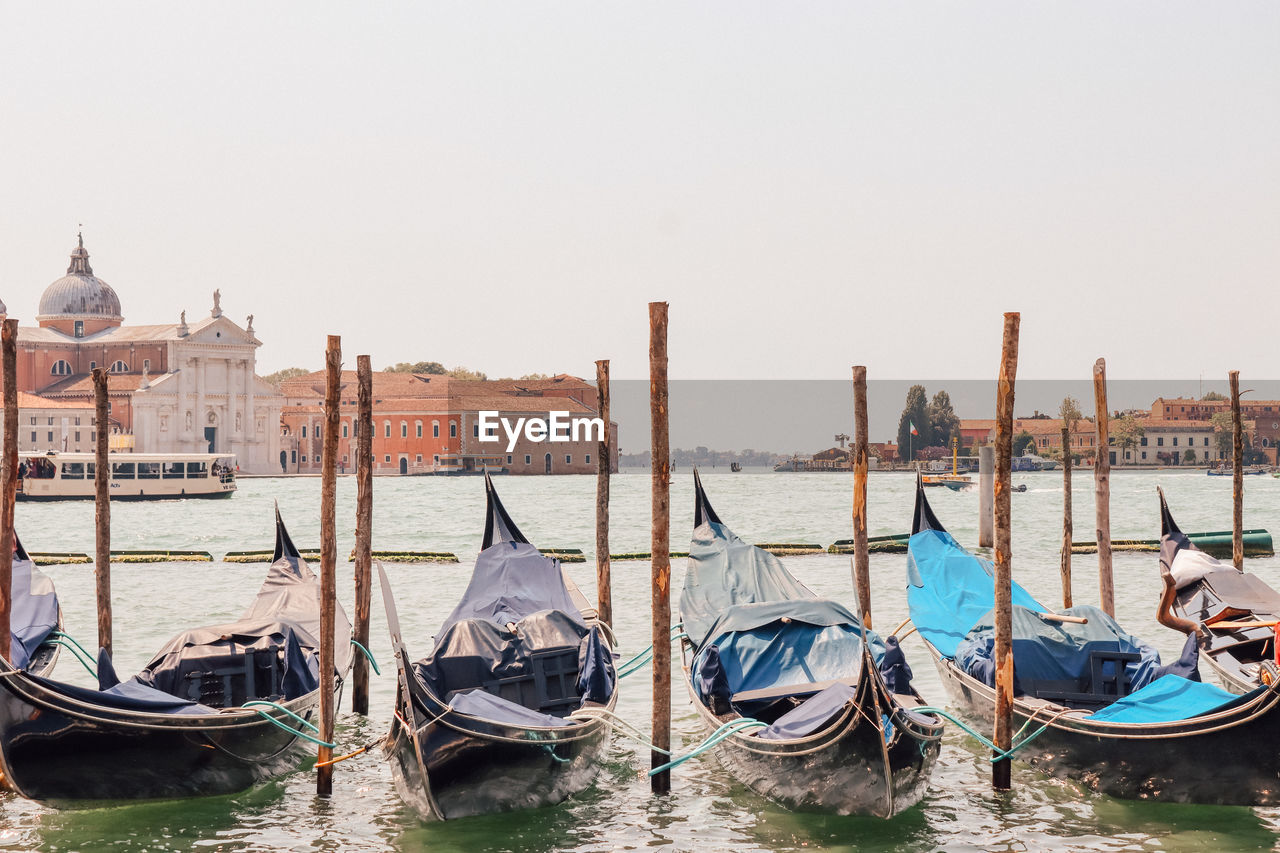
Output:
x,y
1000,754
644,657
75,654
369,655
721,734
72,640
253,706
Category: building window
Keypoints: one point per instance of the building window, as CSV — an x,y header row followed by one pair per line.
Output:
x,y
118,366
453,429
418,426
93,365
33,420
435,460
419,459
568,460
528,460
435,429
587,460
33,436
344,459
304,458
386,427
146,364
386,458
60,368
77,421
475,430
344,435
404,429
1144,454
508,459
304,430
1160,441
50,421
1144,441
50,437
293,456
1206,441
79,328
1175,441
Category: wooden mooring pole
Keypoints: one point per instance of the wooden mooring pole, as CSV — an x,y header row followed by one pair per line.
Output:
x,y
1001,770
859,457
986,496
328,558
604,458
660,545
1102,488
8,478
102,508
1237,474
1066,517
364,531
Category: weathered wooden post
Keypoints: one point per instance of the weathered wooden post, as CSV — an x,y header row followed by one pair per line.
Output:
x,y
8,478
1066,516
364,531
1001,770
859,458
1237,474
1102,488
328,558
660,543
102,508
604,456
986,495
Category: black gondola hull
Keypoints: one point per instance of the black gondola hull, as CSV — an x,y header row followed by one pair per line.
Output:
x,y
846,768
1219,759
65,754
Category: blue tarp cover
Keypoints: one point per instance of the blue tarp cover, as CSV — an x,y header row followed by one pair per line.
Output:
x,y
130,695
1045,650
512,580
722,571
949,590
1168,699
756,649
34,613
596,676
810,715
486,706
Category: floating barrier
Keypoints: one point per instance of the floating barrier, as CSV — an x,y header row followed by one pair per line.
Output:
x,y
161,557
565,555
411,556
788,549
59,558
265,556
644,555
1217,543
893,544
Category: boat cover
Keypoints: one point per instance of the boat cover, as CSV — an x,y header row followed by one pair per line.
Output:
x,y
781,643
1188,564
950,590
596,675
810,715
513,580
34,608
723,571
1169,699
486,706
1055,651
291,593
131,695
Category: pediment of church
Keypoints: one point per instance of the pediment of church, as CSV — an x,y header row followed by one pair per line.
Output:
x,y
221,331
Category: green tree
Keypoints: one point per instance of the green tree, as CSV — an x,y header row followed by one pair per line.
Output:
x,y
536,376
1126,433
465,373
281,375
1222,434
434,368
1069,412
914,413
1189,456
1022,441
1213,395
944,423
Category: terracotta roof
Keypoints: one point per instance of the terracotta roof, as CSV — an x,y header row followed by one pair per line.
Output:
x,y
34,401
513,403
82,384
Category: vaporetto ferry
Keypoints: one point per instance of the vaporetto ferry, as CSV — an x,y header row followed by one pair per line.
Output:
x,y
53,476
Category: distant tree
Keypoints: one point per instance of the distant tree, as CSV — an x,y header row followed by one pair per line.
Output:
x,y
1126,433
914,414
432,367
1022,441
536,376
465,373
1069,412
1222,433
1189,456
943,421
1212,395
281,375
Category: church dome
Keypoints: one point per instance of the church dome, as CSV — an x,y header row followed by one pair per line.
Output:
x,y
79,293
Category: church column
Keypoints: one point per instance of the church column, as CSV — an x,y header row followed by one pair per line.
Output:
x,y
198,418
250,428
180,428
232,405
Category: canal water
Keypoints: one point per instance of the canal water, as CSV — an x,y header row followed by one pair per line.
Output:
x,y
707,810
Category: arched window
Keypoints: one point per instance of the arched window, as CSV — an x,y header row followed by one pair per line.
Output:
x,y
118,366
60,368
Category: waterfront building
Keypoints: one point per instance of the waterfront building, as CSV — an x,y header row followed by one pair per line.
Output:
x,y
1046,434
174,387
60,425
1171,442
430,424
1187,409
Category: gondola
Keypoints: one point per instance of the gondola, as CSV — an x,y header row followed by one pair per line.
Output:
x,y
1114,719
179,727
509,709
760,646
35,617
1232,612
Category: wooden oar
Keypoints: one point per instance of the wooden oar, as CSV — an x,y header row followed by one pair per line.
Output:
x,y
1235,626
1061,617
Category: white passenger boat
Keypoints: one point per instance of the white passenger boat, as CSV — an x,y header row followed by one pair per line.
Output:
x,y
54,476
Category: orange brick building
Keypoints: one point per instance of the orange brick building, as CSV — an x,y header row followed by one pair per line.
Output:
x,y
428,424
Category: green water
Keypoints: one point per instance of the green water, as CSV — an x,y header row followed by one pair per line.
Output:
x,y
706,810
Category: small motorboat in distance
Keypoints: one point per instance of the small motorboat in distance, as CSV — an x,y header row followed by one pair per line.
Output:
x,y
507,712
798,680
212,713
35,618
1107,713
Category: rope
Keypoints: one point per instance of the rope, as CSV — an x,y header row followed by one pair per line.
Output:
x,y
369,655
361,751
721,734
290,729
75,654
1001,754
645,656
69,642
617,724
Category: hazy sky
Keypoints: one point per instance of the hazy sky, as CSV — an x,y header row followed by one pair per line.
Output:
x,y
810,185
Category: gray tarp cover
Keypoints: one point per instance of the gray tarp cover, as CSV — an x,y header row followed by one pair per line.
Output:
x,y
724,571
512,580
